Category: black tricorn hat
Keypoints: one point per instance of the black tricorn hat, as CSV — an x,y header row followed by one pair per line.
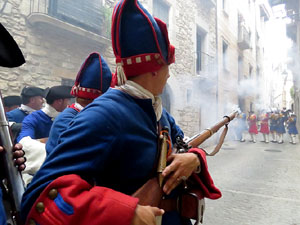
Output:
x,y
12,100
10,53
58,92
32,91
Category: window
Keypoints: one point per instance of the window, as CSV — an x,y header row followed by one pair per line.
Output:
x,y
200,42
240,69
224,5
90,15
225,55
166,98
189,95
161,10
250,71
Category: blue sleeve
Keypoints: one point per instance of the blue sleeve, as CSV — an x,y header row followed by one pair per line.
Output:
x,y
60,124
174,128
28,127
9,116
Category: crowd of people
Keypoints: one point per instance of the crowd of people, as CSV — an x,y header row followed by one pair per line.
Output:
x,y
86,160
274,123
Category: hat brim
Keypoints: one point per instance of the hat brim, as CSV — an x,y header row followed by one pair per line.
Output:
x,y
10,53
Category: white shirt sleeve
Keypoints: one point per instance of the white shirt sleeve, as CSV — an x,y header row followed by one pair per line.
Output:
x,y
35,153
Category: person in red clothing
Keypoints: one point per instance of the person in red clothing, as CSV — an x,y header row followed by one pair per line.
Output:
x,y
252,126
264,126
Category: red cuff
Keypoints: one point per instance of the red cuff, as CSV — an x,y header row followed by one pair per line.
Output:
x,y
203,179
78,202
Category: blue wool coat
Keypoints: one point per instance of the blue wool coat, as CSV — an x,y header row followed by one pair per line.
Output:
x,y
62,121
17,115
273,125
280,126
36,125
59,125
2,211
113,142
292,129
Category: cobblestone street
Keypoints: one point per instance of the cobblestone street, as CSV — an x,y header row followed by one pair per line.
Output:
x,y
260,184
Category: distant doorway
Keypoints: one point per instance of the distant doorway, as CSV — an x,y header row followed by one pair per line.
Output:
x,y
166,98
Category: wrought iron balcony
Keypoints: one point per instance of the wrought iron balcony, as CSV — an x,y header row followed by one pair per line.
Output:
x,y
243,38
88,15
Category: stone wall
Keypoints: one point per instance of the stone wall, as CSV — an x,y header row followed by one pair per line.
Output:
x,y
51,53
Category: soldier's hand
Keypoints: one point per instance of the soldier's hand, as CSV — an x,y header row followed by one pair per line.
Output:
x,y
180,168
18,156
145,215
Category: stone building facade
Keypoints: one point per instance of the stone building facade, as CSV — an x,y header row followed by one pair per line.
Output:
x,y
293,32
56,36
240,52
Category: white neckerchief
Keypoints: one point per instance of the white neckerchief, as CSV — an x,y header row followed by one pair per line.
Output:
x,y
50,111
78,106
137,91
26,109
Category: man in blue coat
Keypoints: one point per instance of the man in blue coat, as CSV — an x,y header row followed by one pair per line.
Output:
x,y
36,127
11,102
292,128
111,147
93,79
32,100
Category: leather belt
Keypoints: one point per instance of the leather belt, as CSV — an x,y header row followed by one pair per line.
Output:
x,y
169,204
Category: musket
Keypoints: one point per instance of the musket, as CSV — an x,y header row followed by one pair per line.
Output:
x,y
198,139
15,186
151,192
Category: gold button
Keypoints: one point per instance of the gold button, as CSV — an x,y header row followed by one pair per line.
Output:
x,y
40,207
32,222
53,193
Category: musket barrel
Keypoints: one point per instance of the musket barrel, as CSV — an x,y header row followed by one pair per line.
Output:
x,y
198,139
15,182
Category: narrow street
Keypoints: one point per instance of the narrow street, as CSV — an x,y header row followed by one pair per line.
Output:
x,y
260,184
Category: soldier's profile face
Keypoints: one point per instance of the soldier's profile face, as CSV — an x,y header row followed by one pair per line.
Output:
x,y
37,102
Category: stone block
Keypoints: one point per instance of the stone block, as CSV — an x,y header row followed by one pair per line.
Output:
x,y
7,9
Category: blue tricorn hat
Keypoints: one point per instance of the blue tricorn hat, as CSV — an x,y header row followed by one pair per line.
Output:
x,y
140,42
93,78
